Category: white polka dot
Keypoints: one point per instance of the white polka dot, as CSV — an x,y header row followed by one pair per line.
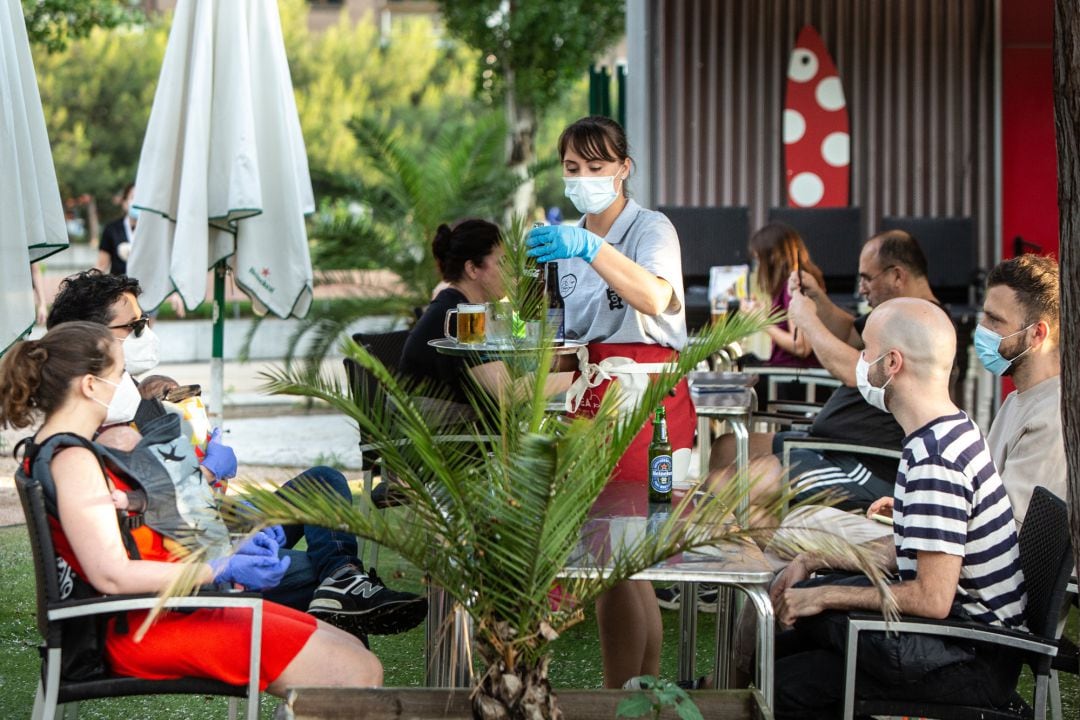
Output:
x,y
806,189
830,93
794,126
836,149
804,65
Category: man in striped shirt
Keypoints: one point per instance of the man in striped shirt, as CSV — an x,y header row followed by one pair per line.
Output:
x,y
953,545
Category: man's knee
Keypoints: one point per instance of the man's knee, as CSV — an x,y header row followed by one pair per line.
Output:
x,y
326,476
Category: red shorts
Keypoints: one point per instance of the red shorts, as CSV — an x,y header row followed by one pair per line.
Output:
x,y
633,466
211,643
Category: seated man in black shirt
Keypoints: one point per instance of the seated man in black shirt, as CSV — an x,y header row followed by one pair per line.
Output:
x,y
891,265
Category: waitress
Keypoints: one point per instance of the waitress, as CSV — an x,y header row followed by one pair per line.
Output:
x,y
621,279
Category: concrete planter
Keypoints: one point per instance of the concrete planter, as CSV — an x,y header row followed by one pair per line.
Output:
x,y
453,704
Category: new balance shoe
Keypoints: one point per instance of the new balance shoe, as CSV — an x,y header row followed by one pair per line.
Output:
x,y
708,598
359,603
669,597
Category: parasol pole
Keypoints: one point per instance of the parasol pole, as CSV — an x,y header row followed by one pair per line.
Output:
x,y
216,408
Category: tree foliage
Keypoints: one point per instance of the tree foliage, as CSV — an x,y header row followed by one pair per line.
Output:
x,y
545,46
96,96
53,23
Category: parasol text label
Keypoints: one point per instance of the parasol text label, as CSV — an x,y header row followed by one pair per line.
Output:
x,y
261,278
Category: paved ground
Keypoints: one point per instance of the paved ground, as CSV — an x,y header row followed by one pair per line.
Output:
x,y
274,437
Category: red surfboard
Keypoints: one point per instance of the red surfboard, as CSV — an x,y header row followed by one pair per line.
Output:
x,y
817,157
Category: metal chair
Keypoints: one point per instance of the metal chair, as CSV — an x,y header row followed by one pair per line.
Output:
x,y
1047,562
62,624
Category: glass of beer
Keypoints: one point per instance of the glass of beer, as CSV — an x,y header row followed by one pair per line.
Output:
x,y
470,323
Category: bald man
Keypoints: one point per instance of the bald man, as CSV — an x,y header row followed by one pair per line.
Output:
x,y
952,520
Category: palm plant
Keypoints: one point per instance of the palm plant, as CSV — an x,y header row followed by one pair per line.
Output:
x,y
460,173
495,521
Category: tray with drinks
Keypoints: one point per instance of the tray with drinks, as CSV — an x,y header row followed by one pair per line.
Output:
x,y
450,346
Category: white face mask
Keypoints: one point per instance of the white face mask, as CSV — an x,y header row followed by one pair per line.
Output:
x,y
141,353
125,401
592,195
875,396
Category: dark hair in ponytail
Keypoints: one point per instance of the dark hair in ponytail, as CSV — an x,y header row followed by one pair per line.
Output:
x,y
36,375
471,239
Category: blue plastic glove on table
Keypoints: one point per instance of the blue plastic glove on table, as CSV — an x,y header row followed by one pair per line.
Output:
x,y
559,242
220,458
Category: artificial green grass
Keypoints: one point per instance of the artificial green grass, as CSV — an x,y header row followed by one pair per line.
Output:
x,y
575,662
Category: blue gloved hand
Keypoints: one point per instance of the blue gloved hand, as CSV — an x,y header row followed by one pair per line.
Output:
x,y
277,533
261,543
558,242
220,459
254,572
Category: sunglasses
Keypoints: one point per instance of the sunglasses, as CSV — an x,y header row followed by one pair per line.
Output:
x,y
135,326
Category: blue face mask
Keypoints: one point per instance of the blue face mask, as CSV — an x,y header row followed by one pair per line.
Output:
x,y
988,344
133,212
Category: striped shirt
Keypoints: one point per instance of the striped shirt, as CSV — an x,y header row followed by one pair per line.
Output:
x,y
949,499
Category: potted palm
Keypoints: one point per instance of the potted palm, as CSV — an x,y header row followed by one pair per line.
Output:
x,y
494,521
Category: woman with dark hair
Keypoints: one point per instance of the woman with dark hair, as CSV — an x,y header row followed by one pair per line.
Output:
x,y
75,376
621,278
468,256
780,251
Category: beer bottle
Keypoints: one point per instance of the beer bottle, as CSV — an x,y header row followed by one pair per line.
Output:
x,y
556,308
532,308
661,469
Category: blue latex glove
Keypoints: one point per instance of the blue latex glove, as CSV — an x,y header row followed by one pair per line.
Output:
x,y
558,242
254,572
261,543
220,458
277,533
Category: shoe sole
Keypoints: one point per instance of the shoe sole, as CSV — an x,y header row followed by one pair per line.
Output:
x,y
386,619
668,604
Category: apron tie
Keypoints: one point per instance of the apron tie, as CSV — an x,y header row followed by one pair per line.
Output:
x,y
632,378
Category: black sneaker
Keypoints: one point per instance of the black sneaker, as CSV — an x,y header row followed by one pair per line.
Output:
x,y
359,603
387,494
707,598
668,597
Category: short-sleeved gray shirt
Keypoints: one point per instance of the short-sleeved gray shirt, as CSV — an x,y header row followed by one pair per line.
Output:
x,y
595,313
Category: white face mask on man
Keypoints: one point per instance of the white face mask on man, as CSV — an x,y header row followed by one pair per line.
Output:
x,y
141,352
125,401
875,396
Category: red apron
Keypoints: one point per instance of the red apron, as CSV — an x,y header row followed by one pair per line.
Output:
x,y
681,418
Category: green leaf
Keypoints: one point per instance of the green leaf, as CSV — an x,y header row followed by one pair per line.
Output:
x,y
637,705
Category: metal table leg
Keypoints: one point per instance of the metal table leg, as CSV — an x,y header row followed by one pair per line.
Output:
x,y
687,630
742,467
759,596
447,642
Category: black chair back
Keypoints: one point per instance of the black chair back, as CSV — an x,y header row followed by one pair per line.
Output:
x,y
709,236
385,347
46,578
833,237
1046,559
951,254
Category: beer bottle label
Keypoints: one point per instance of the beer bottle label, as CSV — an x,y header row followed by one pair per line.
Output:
x,y
660,474
556,318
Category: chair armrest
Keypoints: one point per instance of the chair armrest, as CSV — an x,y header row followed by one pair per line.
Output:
x,y
782,421
800,409
1019,640
835,445
122,603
